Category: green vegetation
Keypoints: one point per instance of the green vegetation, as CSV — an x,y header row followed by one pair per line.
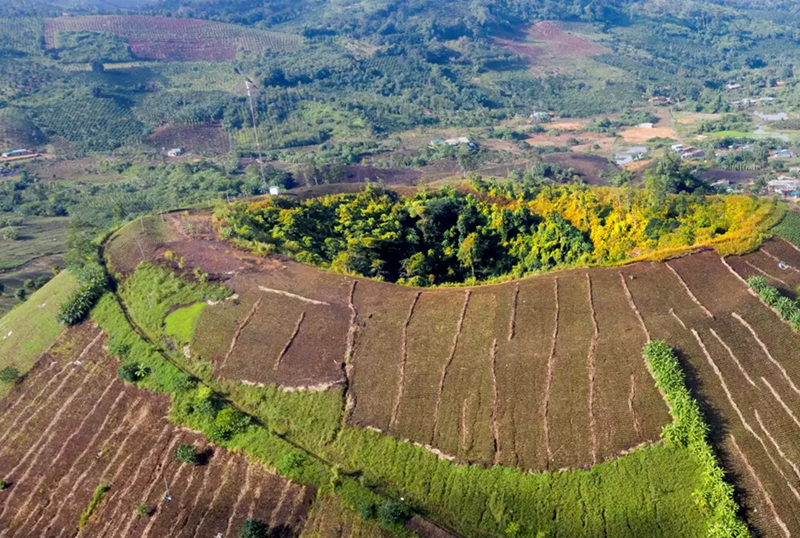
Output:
x,y
4,484
389,469
789,228
85,47
97,496
182,323
92,284
9,375
254,528
788,309
496,230
28,330
689,430
186,453
142,510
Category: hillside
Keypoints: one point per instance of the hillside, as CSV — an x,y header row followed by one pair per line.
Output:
x,y
542,374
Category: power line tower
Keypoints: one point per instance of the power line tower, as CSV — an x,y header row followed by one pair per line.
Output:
x,y
255,132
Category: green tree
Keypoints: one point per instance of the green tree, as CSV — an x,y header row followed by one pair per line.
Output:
x,y
9,375
186,453
254,528
21,294
392,513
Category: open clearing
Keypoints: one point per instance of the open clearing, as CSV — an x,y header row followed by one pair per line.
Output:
x,y
72,426
463,371
174,39
641,135
742,363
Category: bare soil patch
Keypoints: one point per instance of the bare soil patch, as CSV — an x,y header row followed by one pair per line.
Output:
x,y
72,425
641,135
205,139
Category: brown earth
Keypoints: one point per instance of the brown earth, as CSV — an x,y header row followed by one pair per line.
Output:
x,y
546,373
747,390
545,43
593,169
72,425
641,135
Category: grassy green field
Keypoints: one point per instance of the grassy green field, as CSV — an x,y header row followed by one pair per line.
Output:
x,y
37,237
28,330
182,323
789,227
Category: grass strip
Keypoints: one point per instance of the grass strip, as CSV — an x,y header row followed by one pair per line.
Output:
x,y
97,496
690,430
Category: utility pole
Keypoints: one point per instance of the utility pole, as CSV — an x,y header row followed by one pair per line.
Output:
x,y
255,132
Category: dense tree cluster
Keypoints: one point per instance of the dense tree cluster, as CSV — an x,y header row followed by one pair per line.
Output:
x,y
491,230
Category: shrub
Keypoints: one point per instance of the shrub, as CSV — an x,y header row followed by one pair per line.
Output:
x,y
92,284
228,423
186,453
290,463
4,484
786,308
9,375
133,373
142,509
392,513
254,528
688,429
21,294
97,496
365,508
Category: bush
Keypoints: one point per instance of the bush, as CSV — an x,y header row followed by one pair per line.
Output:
x,y
142,510
4,484
688,429
9,375
97,496
228,423
92,284
392,513
133,373
186,453
253,528
786,308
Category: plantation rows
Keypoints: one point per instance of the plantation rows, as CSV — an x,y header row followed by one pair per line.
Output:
x,y
22,34
96,124
742,362
173,39
72,426
514,374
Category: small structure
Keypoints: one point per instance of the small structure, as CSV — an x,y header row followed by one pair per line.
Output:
x,y
175,152
780,116
647,125
734,86
784,186
677,148
437,142
541,116
783,154
275,191
691,153
452,142
16,153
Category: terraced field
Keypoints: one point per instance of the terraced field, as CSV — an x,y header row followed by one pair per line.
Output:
x,y
743,361
72,426
174,39
541,374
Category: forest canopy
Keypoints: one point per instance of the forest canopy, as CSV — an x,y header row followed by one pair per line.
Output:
x,y
489,230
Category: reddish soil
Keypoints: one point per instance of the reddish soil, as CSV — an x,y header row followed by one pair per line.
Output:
x,y
71,425
174,39
546,39
205,139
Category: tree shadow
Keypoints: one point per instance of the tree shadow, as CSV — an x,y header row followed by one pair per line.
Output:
x,y
204,457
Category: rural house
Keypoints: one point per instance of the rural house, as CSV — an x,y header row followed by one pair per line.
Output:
x,y
175,152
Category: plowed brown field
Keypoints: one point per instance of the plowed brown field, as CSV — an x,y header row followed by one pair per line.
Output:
x,y
71,426
544,373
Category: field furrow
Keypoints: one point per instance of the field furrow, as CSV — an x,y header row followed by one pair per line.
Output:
x,y
548,387
592,368
430,340
288,345
470,377
446,368
621,379
215,518
570,436
521,375
375,353
403,361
